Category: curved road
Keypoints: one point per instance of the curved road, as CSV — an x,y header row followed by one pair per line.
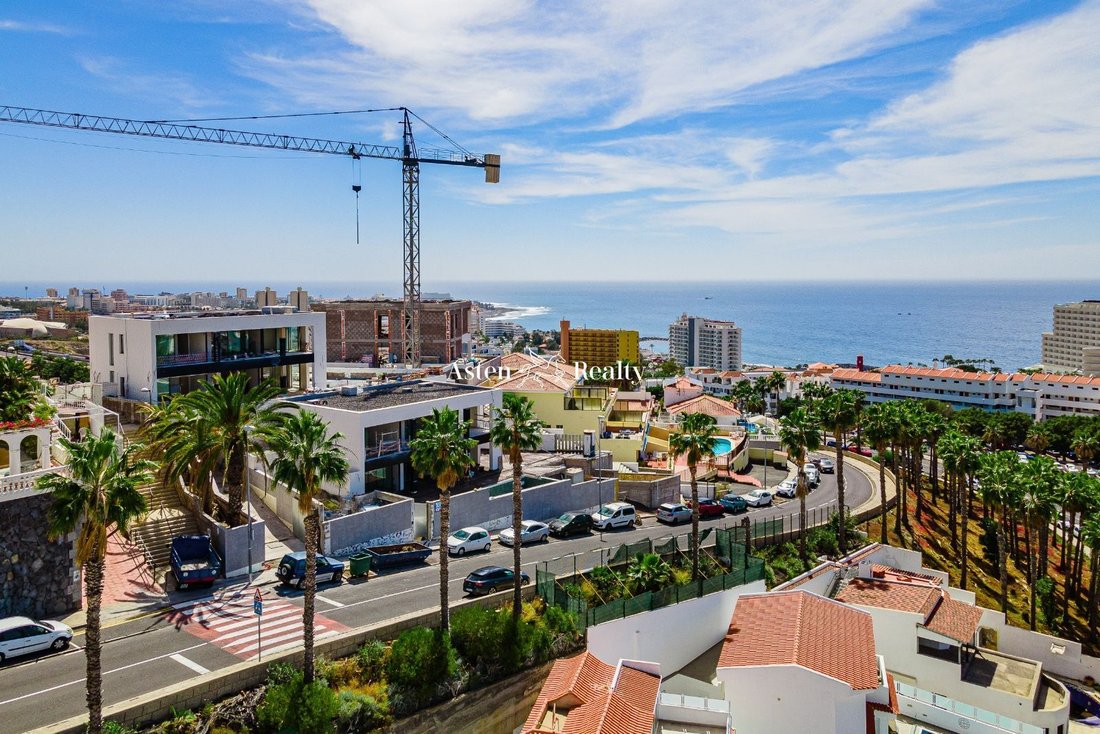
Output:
x,y
169,647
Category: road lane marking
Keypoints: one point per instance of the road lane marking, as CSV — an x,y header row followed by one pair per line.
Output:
x,y
189,664
291,645
115,670
243,637
283,612
326,600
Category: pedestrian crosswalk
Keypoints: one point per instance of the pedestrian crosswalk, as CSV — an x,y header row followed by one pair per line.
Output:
x,y
230,623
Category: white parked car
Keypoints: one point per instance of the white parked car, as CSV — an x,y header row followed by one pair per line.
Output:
x,y
787,488
614,515
811,474
531,531
468,539
673,513
757,498
23,636
826,466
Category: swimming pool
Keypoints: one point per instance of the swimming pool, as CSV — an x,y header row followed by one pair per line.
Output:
x,y
722,446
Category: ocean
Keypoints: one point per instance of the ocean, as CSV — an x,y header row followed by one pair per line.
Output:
x,y
783,323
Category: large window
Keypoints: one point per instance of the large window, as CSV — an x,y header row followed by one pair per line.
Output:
x,y
937,649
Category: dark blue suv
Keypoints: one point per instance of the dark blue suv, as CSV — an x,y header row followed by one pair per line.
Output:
x,y
292,569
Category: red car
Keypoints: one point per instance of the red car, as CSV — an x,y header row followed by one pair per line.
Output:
x,y
708,507
865,451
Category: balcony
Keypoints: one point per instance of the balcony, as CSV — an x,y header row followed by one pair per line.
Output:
x,y
682,714
197,363
935,709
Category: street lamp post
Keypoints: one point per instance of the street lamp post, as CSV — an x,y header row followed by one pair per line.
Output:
x,y
599,477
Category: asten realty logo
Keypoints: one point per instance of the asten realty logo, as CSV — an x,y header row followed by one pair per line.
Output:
x,y
482,371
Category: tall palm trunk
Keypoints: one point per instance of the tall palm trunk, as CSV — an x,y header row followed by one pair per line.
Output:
x,y
694,524
915,461
93,590
1031,571
234,485
802,551
842,530
517,530
1093,588
1044,548
444,558
882,497
899,505
935,472
951,485
309,584
1002,565
965,549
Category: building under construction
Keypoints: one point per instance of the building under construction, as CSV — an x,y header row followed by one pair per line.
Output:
x,y
370,331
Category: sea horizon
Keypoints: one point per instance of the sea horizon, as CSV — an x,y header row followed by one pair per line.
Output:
x,y
784,322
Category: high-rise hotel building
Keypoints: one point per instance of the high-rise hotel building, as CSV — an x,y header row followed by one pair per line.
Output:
x,y
1074,343
699,342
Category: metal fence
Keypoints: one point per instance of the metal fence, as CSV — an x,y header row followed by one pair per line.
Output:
x,y
741,568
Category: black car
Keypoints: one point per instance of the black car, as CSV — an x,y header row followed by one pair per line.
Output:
x,y
571,523
292,569
489,579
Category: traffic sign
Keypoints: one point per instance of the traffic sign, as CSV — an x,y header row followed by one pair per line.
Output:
x,y
257,604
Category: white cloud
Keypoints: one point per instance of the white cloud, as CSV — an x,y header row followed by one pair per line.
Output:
x,y
20,26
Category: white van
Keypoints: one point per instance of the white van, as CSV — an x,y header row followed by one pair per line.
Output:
x,y
614,515
811,474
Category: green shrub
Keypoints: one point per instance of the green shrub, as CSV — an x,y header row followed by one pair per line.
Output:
x,y
358,712
420,661
338,673
1045,601
609,585
113,727
989,541
316,709
281,673
277,710
372,659
559,621
823,542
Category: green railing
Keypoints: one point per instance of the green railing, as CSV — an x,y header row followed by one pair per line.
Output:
x,y
741,568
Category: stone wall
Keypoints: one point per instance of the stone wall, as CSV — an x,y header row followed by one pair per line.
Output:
x,y
37,577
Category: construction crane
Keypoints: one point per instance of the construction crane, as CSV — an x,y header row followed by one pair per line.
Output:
x,y
408,154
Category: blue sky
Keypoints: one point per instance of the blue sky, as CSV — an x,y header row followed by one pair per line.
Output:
x,y
646,140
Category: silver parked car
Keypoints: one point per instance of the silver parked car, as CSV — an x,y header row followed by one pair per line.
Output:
x,y
531,531
673,513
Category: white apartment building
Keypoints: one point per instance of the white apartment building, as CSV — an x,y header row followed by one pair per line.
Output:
x,y
146,356
377,422
1076,329
1041,395
699,342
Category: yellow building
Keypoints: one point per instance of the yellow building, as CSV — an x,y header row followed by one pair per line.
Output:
x,y
600,347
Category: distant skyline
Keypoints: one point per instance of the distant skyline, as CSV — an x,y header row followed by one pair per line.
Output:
x,y
807,140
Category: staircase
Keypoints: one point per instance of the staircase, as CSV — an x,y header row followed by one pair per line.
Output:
x,y
165,519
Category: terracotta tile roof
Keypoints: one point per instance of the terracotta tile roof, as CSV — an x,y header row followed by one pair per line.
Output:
x,y
891,707
916,598
880,571
955,619
1065,379
707,404
938,611
800,628
592,697
847,373
532,374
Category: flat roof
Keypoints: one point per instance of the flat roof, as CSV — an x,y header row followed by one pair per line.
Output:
x,y
392,394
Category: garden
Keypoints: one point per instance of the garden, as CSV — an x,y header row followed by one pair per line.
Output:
x,y
383,682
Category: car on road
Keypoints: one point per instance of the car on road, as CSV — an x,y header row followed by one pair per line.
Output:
x,y
23,636
811,473
733,503
673,513
614,515
787,488
757,498
490,579
708,507
292,569
531,531
469,539
571,523
864,451
826,466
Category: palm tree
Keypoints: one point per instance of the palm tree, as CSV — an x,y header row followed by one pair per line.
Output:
x,y
742,395
1090,536
442,450
97,497
1041,476
799,433
999,491
1038,437
695,441
235,416
18,389
879,429
307,455
838,412
1086,445
776,381
516,429
967,463
184,446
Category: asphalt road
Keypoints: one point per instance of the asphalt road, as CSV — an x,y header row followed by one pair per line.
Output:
x,y
169,647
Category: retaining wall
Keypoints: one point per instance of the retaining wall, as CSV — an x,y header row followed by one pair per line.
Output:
x,y
544,502
391,522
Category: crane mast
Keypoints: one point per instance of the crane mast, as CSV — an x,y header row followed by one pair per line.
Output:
x,y
408,154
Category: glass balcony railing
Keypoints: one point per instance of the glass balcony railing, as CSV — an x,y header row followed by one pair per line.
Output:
x,y
965,710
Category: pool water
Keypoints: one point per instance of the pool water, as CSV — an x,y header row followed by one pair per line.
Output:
x,y
722,446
